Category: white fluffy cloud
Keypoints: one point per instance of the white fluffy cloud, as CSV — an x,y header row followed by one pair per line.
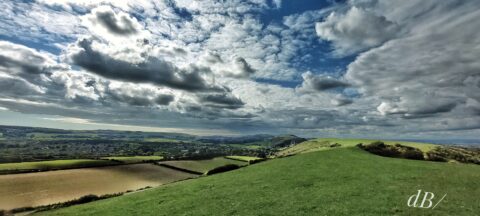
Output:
x,y
356,30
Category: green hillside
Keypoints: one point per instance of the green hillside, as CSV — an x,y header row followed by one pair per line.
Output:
x,y
202,166
341,181
327,143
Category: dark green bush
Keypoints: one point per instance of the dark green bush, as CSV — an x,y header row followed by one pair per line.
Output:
x,y
397,150
335,145
446,153
221,169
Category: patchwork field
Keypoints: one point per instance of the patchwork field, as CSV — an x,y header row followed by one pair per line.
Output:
x,y
52,165
202,166
340,181
327,143
42,188
134,159
243,158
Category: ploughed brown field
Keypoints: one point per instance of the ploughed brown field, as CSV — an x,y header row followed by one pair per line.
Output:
x,y
43,188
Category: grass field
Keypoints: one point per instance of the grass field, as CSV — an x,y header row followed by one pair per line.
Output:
x,y
53,165
134,159
325,143
34,189
341,181
243,158
202,166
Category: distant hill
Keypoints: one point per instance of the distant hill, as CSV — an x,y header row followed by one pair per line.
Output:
x,y
286,140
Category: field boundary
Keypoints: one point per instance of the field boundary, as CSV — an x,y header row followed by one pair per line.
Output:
x,y
236,159
23,171
179,169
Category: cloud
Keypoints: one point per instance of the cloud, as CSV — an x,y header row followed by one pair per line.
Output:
x,y
356,30
243,66
15,87
277,3
150,70
164,99
38,23
418,75
313,83
136,95
221,101
341,101
116,23
18,59
176,63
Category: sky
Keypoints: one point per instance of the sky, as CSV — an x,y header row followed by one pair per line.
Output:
x,y
358,68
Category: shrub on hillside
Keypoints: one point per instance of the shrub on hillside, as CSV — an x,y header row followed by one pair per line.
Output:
x,y
397,150
221,169
335,145
410,152
459,154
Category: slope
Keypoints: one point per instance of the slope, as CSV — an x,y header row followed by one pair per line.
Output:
x,y
341,181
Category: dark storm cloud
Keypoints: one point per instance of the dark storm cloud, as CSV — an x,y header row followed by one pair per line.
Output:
x,y
326,83
222,101
164,99
435,109
151,70
121,25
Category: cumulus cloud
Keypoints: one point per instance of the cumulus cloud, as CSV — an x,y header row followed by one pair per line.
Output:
x,y
221,101
312,82
115,23
417,75
14,87
356,30
18,59
184,64
150,70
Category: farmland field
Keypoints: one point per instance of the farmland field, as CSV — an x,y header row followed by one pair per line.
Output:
x,y
243,158
53,165
134,159
202,166
340,181
34,189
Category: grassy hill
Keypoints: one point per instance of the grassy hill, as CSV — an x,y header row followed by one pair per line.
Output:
x,y
327,143
341,181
